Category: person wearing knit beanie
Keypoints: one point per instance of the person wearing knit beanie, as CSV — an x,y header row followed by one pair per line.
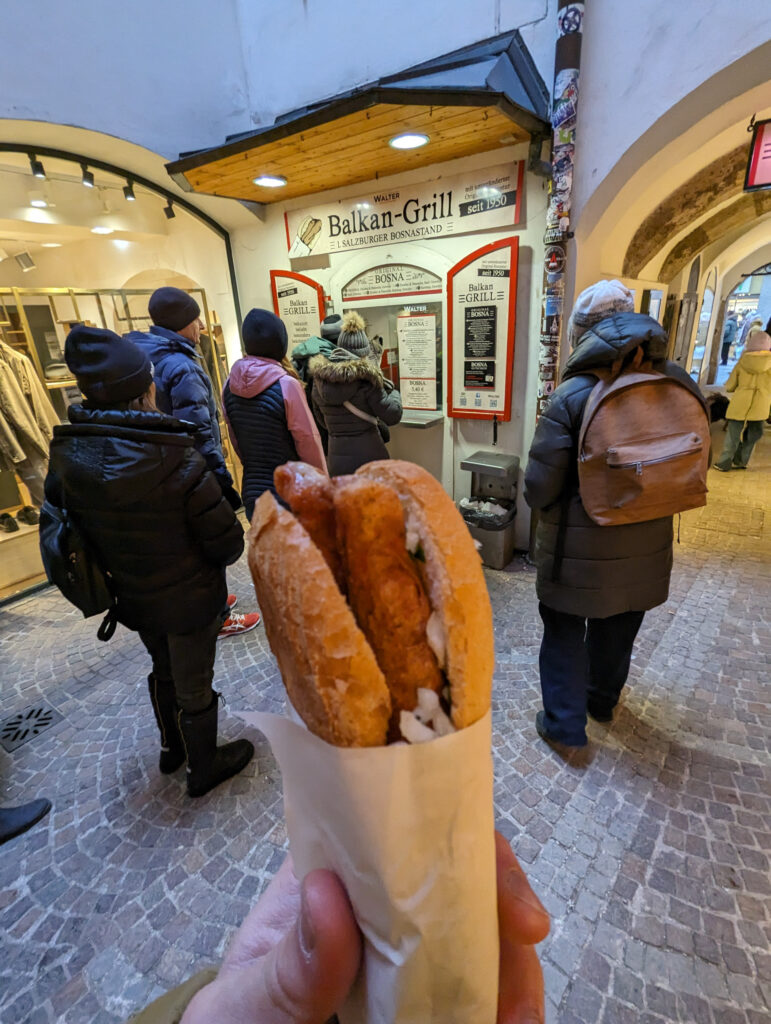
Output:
x,y
173,308
760,341
331,326
266,410
352,340
595,303
264,335
109,369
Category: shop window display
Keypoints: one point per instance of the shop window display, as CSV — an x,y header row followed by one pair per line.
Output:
x,y
36,389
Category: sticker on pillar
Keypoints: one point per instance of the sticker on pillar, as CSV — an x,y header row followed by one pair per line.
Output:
x,y
482,295
565,105
545,388
570,19
554,259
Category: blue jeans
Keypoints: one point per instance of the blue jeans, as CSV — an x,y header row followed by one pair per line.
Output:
x,y
737,448
583,661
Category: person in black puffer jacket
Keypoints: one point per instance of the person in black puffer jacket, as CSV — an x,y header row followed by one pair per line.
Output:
x,y
355,400
267,414
158,523
592,602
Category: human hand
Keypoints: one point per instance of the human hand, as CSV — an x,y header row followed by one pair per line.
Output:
x,y
297,954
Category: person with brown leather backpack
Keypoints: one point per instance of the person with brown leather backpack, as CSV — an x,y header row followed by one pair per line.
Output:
x,y
622,445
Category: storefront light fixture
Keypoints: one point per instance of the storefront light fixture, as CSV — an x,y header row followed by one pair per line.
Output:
x,y
269,181
121,243
50,245
102,229
36,166
37,199
408,140
169,210
128,192
87,177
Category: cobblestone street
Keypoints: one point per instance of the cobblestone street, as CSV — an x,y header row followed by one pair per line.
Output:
x,y
650,849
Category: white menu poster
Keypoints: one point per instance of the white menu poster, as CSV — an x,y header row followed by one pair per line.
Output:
x,y
416,337
481,319
299,301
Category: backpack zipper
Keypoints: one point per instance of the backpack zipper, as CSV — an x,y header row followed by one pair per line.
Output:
x,y
647,462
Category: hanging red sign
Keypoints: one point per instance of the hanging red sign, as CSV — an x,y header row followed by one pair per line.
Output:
x,y
481,315
299,301
759,163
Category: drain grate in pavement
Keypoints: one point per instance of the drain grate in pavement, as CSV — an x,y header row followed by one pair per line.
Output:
x,y
26,725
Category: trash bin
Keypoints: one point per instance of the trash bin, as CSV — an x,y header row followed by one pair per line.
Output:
x,y
493,481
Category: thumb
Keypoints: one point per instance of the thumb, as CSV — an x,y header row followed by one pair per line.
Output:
x,y
306,977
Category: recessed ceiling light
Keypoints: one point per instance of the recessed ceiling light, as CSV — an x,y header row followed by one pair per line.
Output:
x,y
102,229
121,243
270,181
408,140
51,245
37,199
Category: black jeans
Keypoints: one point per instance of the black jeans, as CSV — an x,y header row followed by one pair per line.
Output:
x,y
186,662
583,661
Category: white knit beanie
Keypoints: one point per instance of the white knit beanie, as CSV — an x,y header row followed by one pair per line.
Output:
x,y
595,303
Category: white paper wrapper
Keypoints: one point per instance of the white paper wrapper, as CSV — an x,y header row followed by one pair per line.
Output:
x,y
409,830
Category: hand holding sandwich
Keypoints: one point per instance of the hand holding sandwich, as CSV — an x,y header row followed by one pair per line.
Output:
x,y
297,953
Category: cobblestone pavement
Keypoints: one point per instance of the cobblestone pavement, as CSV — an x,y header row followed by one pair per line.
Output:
x,y
651,851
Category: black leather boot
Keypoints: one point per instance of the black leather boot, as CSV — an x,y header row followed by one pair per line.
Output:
x,y
164,703
208,764
15,820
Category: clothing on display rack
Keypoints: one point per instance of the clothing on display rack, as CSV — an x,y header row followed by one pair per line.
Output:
x,y
27,419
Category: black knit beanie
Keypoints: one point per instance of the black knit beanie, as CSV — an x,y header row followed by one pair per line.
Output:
x,y
264,335
108,368
172,308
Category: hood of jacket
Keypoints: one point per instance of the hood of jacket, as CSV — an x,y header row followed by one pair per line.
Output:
x,y
755,362
131,452
348,371
251,375
160,341
614,338
312,347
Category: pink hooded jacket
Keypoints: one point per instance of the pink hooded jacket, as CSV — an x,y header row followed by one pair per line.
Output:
x,y
250,376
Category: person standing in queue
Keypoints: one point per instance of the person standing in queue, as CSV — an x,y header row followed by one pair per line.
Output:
x,y
156,520
266,411
355,400
183,390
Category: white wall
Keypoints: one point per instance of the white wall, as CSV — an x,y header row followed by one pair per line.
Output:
x,y
261,248
183,74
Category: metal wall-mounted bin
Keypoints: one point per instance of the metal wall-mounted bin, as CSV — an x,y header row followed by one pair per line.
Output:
x,y
493,478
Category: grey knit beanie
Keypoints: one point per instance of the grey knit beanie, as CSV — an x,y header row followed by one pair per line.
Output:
x,y
353,337
331,326
595,303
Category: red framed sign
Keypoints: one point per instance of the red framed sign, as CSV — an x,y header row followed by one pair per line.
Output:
x,y
481,321
759,162
299,301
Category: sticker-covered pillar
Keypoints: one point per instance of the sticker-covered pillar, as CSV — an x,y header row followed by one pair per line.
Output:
x,y
567,62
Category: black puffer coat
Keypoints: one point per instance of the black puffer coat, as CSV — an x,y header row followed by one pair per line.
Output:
x,y
352,440
605,570
151,510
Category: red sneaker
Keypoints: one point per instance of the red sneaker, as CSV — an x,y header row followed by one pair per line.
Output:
x,y
235,624
231,602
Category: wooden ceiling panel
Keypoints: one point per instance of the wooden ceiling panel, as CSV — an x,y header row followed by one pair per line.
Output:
x,y
354,148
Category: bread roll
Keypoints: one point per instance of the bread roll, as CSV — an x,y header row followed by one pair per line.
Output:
x,y
329,670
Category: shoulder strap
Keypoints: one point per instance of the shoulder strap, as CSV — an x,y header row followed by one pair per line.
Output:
x,y
360,413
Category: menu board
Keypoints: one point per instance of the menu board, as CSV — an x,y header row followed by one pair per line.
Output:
x,y
299,301
482,298
416,336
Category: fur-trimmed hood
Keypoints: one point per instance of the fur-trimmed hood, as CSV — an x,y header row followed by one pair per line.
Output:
x,y
347,371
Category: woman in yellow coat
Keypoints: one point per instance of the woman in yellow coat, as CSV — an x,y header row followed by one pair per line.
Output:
x,y
750,382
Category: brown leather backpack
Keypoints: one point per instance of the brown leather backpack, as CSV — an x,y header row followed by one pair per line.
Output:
x,y
643,449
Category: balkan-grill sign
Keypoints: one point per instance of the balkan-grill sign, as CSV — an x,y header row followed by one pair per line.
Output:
x,y
299,301
481,307
473,201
